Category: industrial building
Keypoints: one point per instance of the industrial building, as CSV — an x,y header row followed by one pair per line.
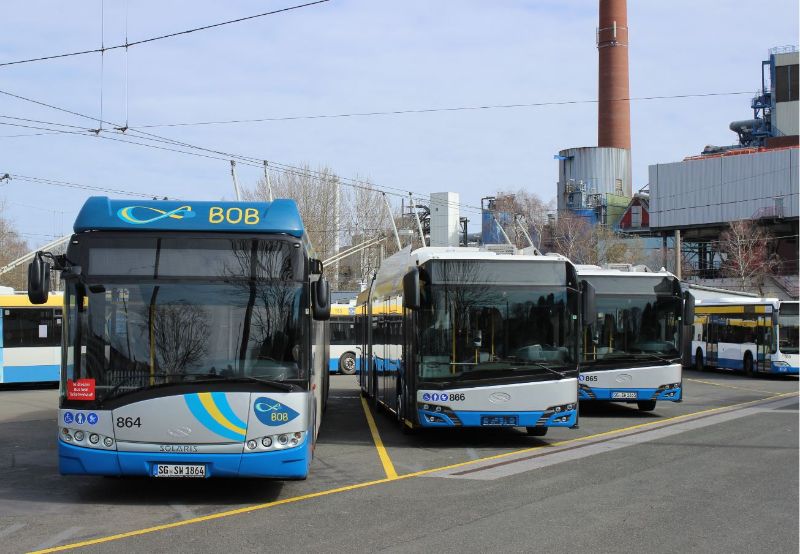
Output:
x,y
756,180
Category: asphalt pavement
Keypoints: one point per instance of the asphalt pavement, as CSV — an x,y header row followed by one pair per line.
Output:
x,y
715,473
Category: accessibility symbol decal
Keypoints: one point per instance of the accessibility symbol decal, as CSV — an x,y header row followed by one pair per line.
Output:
x,y
68,417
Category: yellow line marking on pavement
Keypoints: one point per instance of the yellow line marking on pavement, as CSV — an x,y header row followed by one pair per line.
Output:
x,y
748,389
388,466
293,499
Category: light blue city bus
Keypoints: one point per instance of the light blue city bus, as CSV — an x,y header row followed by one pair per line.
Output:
x,y
195,340
632,350
751,335
30,339
466,337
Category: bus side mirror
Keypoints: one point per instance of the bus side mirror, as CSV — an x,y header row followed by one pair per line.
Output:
x,y
38,280
688,308
588,303
411,289
321,299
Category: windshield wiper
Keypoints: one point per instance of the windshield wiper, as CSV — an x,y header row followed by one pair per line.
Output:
x,y
531,362
211,378
654,356
110,394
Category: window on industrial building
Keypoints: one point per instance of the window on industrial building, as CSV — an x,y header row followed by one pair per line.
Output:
x,y
786,83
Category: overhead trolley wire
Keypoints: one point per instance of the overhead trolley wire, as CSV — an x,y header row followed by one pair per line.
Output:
x,y
161,37
435,110
210,152
68,184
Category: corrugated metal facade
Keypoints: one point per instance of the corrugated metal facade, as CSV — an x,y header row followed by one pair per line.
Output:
x,y
598,168
723,189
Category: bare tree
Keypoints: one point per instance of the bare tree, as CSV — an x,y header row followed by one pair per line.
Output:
x,y
532,211
315,194
747,258
12,246
573,237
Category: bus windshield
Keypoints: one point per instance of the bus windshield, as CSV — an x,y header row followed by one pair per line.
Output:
x,y
241,318
471,332
634,325
789,330
638,318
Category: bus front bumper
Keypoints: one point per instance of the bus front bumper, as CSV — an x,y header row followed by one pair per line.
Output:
x,y
281,464
460,418
670,393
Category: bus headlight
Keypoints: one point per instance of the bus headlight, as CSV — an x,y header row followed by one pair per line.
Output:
x,y
108,442
94,439
780,363
276,442
78,435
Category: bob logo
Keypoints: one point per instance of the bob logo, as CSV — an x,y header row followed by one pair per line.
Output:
x,y
273,413
142,215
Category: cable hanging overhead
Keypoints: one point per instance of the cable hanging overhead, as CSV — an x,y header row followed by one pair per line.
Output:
x,y
162,37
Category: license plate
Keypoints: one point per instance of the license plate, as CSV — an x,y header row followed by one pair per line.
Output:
x,y
499,421
179,470
625,395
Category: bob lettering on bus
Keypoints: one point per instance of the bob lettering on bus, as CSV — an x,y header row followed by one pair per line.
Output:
x,y
233,215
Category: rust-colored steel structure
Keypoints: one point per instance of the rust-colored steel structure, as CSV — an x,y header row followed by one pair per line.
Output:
x,y
614,109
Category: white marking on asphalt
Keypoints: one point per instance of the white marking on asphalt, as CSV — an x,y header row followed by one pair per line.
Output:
x,y
492,469
11,529
61,537
472,453
183,511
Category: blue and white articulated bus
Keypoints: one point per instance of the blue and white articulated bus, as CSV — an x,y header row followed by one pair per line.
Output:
x,y
30,339
752,335
464,337
195,340
632,351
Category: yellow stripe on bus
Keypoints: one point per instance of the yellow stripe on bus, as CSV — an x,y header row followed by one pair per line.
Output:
x,y
208,404
21,301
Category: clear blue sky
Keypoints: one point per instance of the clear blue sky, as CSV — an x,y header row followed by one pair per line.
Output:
x,y
356,56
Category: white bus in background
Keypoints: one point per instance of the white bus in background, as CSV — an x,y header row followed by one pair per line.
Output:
x,y
752,335
345,352
632,351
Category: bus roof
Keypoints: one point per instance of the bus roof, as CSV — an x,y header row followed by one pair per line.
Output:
x,y
101,213
597,271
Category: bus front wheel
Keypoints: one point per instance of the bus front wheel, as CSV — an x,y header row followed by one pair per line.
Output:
x,y
347,363
536,431
747,363
698,360
646,405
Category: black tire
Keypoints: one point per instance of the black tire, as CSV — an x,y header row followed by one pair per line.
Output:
x,y
646,405
747,363
347,363
536,431
698,361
